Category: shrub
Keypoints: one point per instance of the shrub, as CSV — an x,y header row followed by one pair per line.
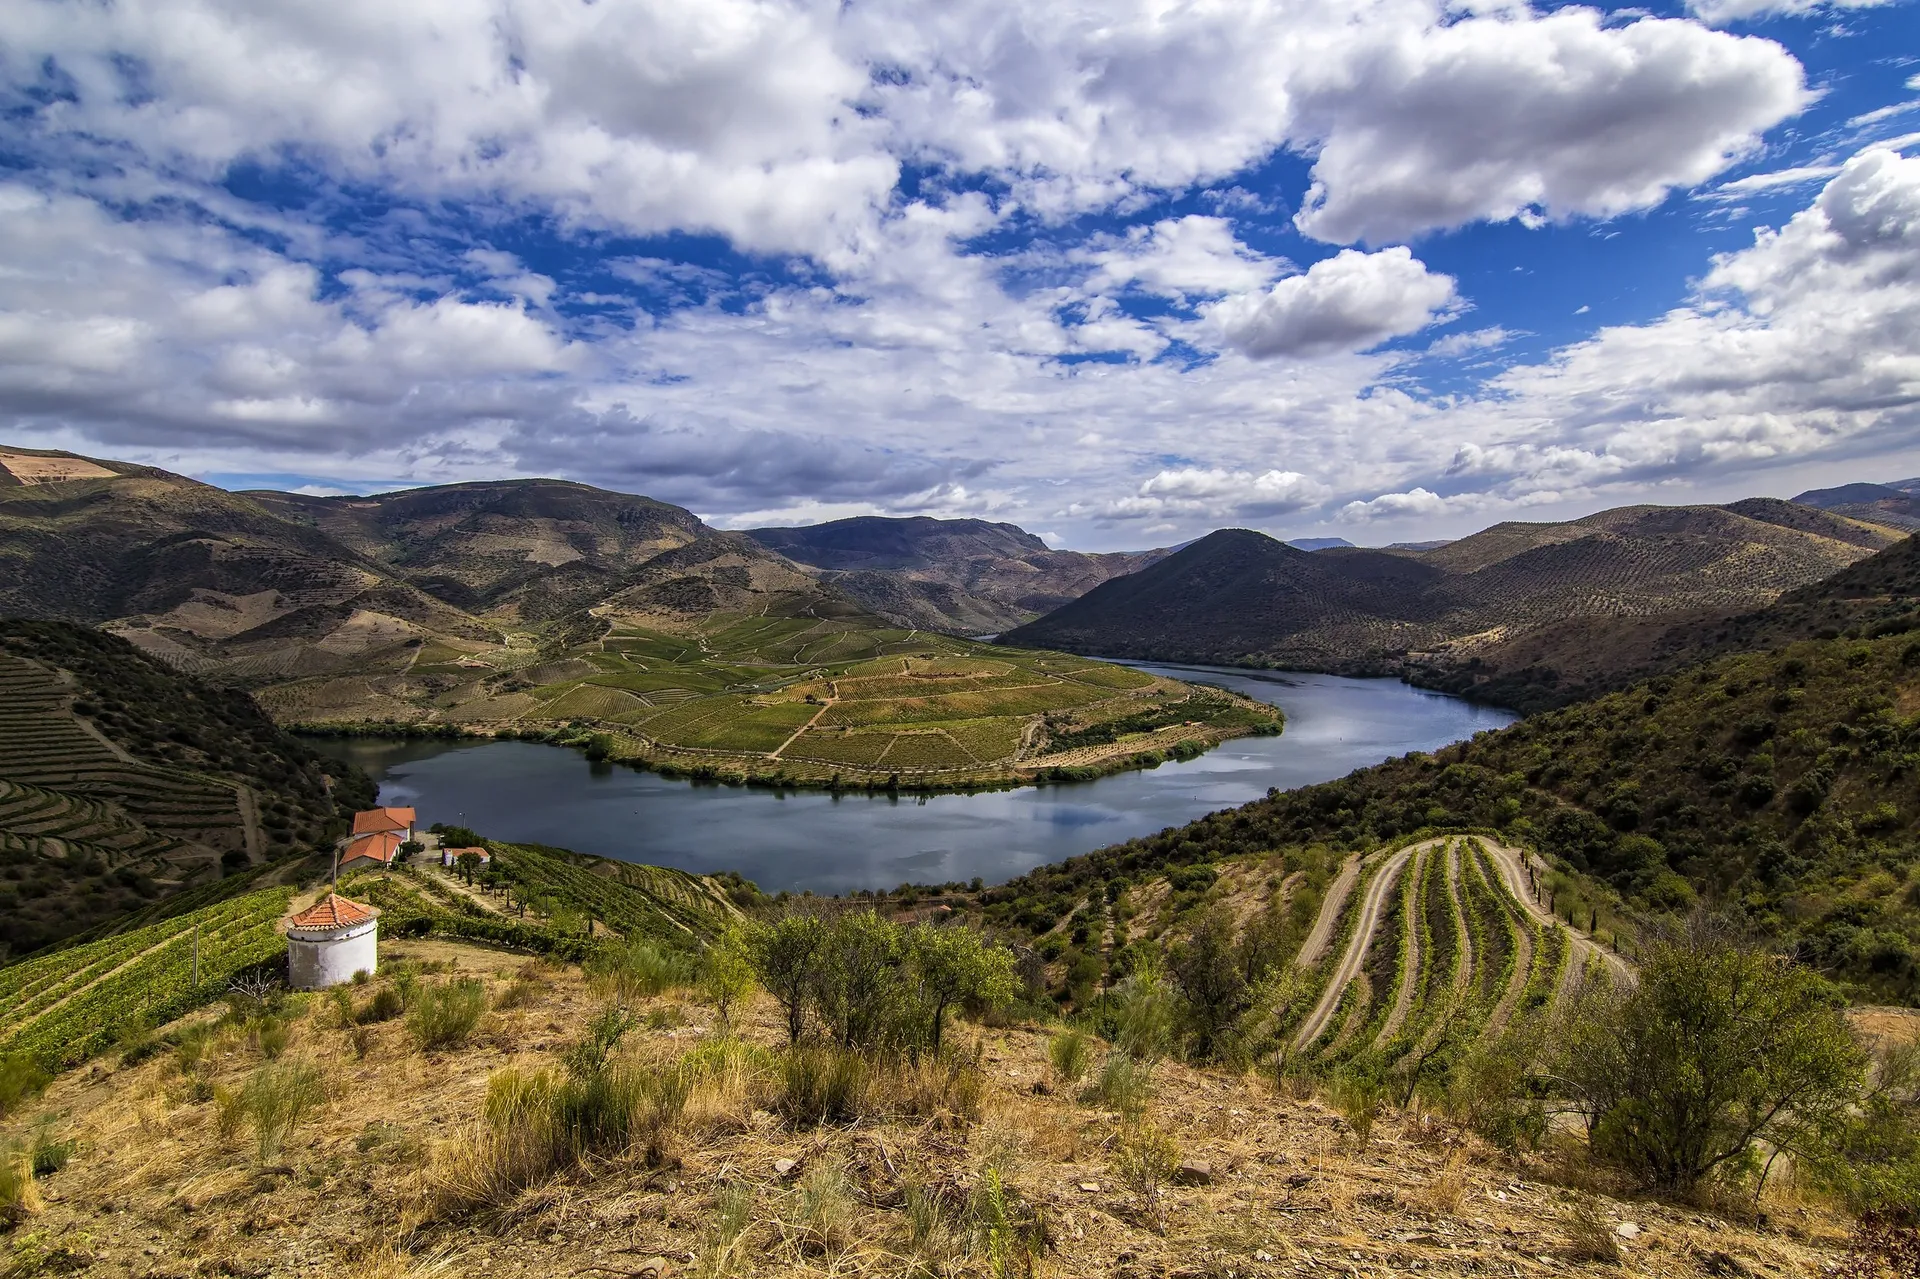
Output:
x,y
21,1079
275,1098
823,1210
1207,970
445,1015
821,1084
1068,1053
1717,1048
48,1153
1144,1158
271,1036
726,974
638,969
1124,1085
857,988
1143,1017
785,956
1358,1098
386,1004
19,1196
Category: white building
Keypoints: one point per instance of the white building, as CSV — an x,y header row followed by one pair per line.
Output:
x,y
451,856
330,941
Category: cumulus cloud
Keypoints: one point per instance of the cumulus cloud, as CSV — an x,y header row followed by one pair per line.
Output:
x,y
1348,302
1547,117
1179,257
1213,493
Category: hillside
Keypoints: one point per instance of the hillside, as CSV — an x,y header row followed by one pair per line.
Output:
x,y
1896,504
966,576
1777,785
525,550
123,782
1565,662
1240,597
990,1162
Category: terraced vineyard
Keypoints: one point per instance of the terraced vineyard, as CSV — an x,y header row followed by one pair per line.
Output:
x,y
1438,944
65,1006
821,700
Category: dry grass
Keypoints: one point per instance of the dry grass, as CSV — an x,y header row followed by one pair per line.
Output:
x,y
899,1191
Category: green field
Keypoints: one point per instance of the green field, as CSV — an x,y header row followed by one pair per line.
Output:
x,y
812,700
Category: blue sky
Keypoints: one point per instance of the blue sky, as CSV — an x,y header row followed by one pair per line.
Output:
x,y
1119,273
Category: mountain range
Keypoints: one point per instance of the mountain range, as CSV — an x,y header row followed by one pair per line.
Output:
x,y
1241,597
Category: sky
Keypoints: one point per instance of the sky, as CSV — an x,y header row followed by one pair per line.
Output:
x,y
1120,273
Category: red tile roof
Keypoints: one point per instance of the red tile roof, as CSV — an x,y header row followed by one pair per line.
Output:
x,y
382,819
332,911
381,846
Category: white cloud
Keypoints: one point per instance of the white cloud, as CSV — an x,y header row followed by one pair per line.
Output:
x,y
1179,257
1212,494
1349,302
1724,11
1556,116
1754,183
1455,345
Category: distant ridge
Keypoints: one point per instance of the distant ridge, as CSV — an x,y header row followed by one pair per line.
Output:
x,y
1896,504
960,576
1239,596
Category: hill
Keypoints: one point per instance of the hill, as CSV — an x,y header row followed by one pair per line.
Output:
x,y
124,782
1896,504
966,576
1240,597
546,609
525,550
1565,662
1777,786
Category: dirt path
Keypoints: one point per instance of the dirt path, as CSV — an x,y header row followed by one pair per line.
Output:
x,y
1522,966
1409,974
1330,907
824,707
1371,907
1511,865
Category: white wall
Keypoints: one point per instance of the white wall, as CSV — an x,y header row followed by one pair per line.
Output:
x,y
313,964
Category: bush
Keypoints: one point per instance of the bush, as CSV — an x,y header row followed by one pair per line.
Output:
x,y
638,969
1145,1159
445,1015
1125,1085
274,1099
1718,1048
1068,1053
726,974
19,1196
822,1084
386,1004
21,1079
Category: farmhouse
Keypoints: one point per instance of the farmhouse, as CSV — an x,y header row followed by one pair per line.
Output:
x,y
379,848
330,941
385,821
451,856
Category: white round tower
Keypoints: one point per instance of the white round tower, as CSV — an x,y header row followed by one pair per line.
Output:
x,y
330,941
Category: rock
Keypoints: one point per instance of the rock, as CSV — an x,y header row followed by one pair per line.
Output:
x,y
1193,1172
785,1168
1091,1187
1627,1230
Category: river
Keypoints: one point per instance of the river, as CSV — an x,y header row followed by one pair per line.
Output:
x,y
832,843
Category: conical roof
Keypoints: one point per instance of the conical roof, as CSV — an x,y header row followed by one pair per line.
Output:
x,y
332,911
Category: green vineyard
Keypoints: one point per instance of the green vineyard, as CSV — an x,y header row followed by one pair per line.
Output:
x,y
1439,944
64,1007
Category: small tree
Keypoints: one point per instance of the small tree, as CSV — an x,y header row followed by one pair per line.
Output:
x,y
857,983
467,863
953,965
785,956
1207,970
726,974
1717,1048
411,849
